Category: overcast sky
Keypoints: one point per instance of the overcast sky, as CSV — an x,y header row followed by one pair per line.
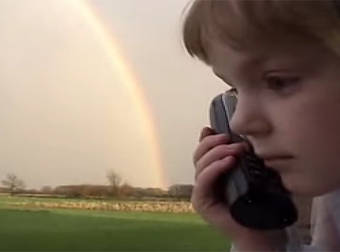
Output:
x,y
65,115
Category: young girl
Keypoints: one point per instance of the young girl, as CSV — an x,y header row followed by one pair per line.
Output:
x,y
282,60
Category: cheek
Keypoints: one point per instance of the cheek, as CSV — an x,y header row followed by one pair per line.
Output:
x,y
315,122
319,133
315,139
318,137
310,128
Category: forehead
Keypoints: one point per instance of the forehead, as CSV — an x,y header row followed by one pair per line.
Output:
x,y
225,59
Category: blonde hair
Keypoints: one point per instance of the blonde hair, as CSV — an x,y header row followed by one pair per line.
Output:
x,y
242,23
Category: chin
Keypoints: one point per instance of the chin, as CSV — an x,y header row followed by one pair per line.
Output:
x,y
301,184
295,187
310,190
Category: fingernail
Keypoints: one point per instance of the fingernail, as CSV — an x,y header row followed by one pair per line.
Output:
x,y
225,136
204,132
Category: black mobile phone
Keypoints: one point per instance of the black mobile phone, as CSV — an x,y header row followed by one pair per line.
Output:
x,y
255,194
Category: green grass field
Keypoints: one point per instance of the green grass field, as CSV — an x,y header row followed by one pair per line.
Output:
x,y
84,230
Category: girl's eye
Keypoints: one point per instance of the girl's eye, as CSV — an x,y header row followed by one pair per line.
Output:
x,y
281,83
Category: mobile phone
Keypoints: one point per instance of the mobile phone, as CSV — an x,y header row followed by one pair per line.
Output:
x,y
254,193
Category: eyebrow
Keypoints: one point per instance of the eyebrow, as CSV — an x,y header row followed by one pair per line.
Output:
x,y
259,61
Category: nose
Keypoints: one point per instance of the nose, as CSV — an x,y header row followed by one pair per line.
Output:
x,y
249,119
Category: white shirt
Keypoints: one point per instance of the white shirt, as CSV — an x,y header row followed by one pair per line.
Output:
x,y
325,222
325,226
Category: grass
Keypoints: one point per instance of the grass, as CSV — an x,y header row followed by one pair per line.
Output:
x,y
83,230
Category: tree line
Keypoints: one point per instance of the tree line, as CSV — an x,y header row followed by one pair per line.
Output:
x,y
14,185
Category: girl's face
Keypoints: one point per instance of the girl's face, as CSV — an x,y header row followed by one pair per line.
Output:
x,y
288,107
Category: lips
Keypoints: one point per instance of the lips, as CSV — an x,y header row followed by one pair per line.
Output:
x,y
275,160
270,158
273,156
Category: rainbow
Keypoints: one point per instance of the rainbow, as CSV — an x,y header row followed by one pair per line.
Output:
x,y
130,80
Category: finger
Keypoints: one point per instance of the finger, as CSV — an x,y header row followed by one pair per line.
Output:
x,y
208,143
206,131
204,186
218,153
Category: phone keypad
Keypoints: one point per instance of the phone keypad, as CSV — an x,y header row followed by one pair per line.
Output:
x,y
255,167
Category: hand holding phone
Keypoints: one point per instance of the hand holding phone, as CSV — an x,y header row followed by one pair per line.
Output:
x,y
255,194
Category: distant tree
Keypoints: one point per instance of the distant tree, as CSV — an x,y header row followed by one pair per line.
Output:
x,y
13,183
181,191
70,191
95,190
47,189
126,190
154,192
115,182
